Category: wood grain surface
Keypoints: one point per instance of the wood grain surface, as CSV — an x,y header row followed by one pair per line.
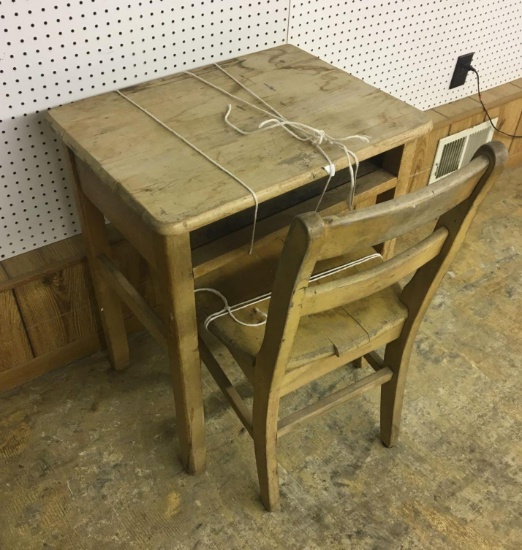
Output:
x,y
15,348
56,308
175,189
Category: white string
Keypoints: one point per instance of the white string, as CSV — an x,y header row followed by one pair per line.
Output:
x,y
198,150
229,310
308,133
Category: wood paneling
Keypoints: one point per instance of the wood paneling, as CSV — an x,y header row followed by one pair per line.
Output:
x,y
36,366
457,110
57,309
515,116
14,343
500,95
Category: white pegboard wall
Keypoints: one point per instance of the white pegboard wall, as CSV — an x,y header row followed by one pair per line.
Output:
x,y
59,51
36,204
409,48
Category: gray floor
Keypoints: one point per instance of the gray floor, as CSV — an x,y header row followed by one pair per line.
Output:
x,y
88,455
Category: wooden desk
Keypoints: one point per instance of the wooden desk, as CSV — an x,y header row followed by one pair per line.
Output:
x,y
156,190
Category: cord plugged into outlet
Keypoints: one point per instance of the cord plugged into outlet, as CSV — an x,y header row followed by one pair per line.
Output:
x,y
462,68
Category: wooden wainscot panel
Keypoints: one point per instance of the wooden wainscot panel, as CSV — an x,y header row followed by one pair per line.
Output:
x,y
508,119
466,123
57,308
514,114
15,348
55,359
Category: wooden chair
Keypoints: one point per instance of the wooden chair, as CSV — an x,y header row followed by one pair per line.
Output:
x,y
315,327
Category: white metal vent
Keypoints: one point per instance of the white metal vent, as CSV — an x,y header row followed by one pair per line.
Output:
x,y
458,149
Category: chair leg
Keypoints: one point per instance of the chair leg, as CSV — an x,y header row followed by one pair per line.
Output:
x,y
265,413
392,395
391,409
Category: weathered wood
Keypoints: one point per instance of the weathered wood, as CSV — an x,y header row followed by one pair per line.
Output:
x,y
299,377
125,220
236,244
15,348
399,162
516,144
50,266
156,189
228,389
438,119
499,95
370,382
96,243
509,116
323,297
503,101
136,269
419,292
57,358
374,360
54,359
456,110
10,283
466,123
174,189
75,253
386,317
175,281
134,301
370,186
56,308
424,157
389,220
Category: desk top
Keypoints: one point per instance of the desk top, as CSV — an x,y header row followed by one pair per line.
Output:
x,y
174,189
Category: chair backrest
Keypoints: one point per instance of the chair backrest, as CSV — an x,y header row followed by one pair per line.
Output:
x,y
453,202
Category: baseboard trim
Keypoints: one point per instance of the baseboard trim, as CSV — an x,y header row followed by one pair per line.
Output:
x,y
55,359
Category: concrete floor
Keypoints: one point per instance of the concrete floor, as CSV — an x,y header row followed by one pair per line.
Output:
x,y
88,455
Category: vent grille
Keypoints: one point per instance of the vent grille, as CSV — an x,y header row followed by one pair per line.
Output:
x,y
450,157
457,150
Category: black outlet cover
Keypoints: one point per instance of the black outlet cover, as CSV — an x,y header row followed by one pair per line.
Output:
x,y
461,70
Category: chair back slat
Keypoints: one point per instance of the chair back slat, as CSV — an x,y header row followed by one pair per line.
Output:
x,y
391,219
328,295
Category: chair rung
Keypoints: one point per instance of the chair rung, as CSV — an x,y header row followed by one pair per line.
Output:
x,y
226,386
374,360
369,382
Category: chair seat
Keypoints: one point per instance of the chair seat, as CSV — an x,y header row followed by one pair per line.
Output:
x,y
337,332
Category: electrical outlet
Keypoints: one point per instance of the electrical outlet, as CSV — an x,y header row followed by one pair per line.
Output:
x,y
461,70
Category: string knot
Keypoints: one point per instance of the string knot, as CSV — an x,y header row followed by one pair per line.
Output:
x,y
314,136
320,135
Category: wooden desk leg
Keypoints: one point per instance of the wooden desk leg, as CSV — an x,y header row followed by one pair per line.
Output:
x,y
176,283
109,306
